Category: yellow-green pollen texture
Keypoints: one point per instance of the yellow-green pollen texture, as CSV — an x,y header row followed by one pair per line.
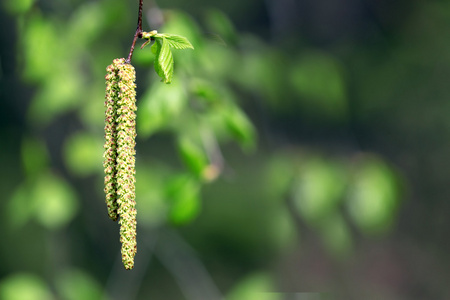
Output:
x,y
119,155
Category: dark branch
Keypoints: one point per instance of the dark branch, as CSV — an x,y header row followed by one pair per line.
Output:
x,y
138,33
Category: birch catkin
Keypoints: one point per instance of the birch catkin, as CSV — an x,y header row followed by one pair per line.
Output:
x,y
119,155
110,153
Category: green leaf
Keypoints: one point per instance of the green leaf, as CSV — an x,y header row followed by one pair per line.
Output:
x,y
336,235
205,90
319,81
160,105
17,6
183,193
55,202
177,41
49,199
193,156
24,286
85,25
59,94
74,284
318,189
240,128
164,60
256,286
39,60
219,24
150,189
156,47
374,196
34,156
83,154
19,210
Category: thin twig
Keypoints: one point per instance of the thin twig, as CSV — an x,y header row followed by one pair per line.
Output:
x,y
138,33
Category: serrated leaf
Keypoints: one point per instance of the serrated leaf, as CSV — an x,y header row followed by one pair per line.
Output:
x,y
156,49
164,60
178,42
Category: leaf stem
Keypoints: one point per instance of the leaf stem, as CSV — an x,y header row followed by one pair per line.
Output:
x,y
138,33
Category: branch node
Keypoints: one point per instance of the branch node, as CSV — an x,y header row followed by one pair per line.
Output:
x,y
138,33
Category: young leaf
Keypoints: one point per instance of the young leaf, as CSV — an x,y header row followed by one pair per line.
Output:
x,y
155,48
163,60
178,42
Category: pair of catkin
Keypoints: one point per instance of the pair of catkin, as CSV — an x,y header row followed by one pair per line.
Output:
x,y
119,155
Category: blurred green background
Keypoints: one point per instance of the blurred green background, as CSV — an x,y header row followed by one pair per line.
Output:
x,y
302,151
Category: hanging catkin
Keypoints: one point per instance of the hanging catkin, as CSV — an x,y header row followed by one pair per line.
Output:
x,y
119,155
110,153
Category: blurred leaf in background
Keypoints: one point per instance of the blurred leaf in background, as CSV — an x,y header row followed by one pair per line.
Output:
x,y
17,6
83,154
193,156
183,194
35,157
24,286
318,80
49,200
159,107
258,286
75,284
319,188
374,196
